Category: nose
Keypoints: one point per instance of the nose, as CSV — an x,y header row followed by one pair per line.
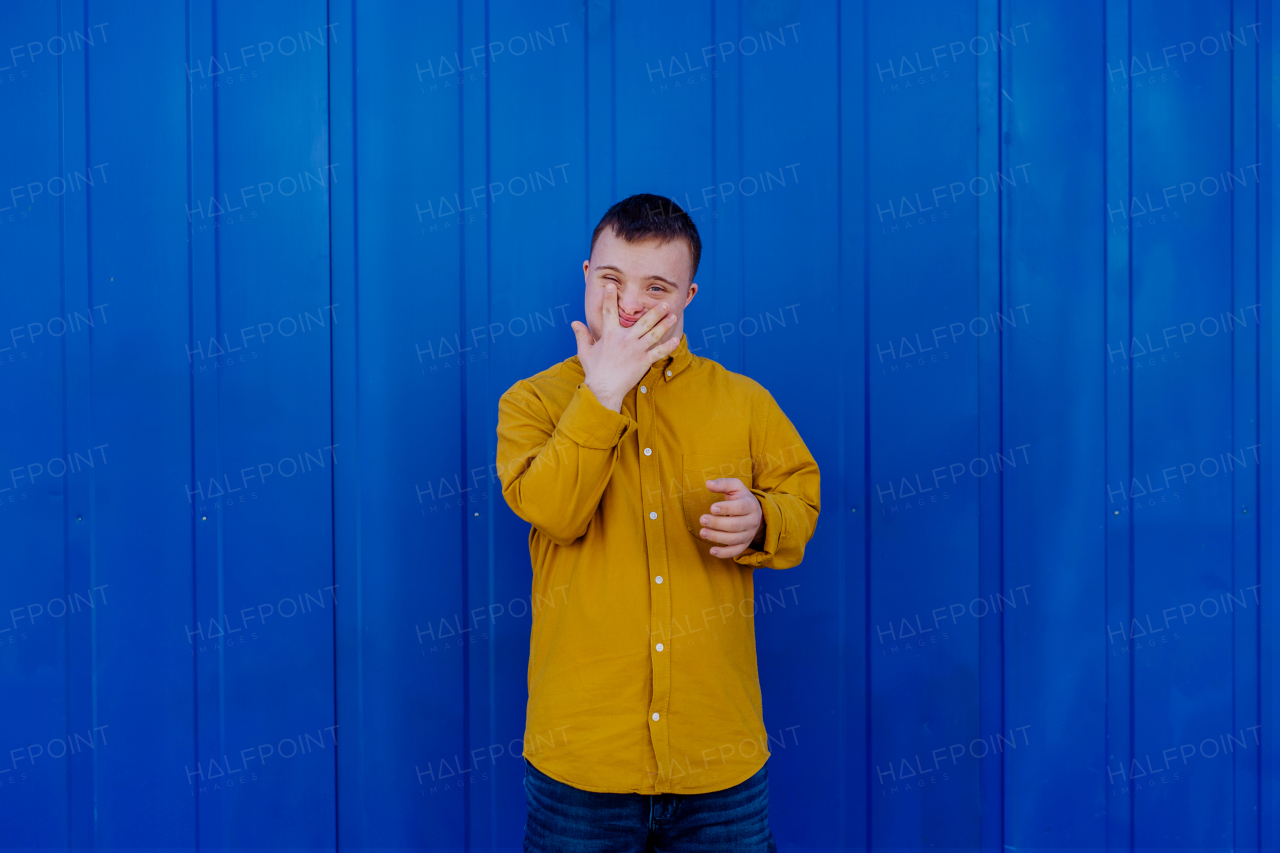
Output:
x,y
630,306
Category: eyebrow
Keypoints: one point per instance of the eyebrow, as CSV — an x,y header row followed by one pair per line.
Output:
x,y
652,277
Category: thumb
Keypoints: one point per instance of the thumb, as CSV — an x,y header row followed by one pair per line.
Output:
x,y
583,334
727,485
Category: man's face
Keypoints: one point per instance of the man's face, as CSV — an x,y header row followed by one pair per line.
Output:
x,y
644,273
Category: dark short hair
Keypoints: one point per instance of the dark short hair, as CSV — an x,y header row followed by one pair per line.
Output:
x,y
646,216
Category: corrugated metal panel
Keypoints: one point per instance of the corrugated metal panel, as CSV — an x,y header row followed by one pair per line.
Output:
x,y
1006,266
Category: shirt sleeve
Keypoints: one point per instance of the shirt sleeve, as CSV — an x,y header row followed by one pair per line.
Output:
x,y
786,482
554,473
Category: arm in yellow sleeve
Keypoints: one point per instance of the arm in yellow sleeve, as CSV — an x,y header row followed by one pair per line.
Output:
x,y
786,483
554,473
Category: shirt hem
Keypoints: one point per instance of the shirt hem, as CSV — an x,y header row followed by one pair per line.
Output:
x,y
652,791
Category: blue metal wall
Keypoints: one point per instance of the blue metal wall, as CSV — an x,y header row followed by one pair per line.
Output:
x,y
268,266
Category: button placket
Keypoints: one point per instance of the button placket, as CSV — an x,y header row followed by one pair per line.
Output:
x,y
659,592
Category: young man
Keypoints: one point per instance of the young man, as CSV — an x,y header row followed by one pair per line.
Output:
x,y
655,481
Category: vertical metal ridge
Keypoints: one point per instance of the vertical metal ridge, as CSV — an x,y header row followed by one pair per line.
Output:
x,y
473,298
1257,261
490,449
990,224
203,252
66,492
77,396
613,99
464,552
333,430
351,806
854,794
1267,421
191,414
1118,418
216,382
714,242
1245,652
586,116
89,510
1265,502
866,418
1259,113
1004,77
842,384
1129,561
741,289
76,400
356,374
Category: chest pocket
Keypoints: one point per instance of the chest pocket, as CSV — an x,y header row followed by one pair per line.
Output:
x,y
695,498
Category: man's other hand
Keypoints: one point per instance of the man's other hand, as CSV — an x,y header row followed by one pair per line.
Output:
x,y
733,522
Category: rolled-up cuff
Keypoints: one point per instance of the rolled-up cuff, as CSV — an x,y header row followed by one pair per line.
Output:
x,y
774,529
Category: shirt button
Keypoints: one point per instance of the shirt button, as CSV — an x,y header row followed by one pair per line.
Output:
x,y
659,646
648,451
668,372
658,579
644,390
653,515
655,716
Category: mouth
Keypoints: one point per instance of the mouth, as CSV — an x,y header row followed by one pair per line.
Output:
x,y
627,322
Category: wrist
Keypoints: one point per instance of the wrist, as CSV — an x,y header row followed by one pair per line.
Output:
x,y
605,397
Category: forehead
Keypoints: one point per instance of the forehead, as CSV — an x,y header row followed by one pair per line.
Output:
x,y
643,258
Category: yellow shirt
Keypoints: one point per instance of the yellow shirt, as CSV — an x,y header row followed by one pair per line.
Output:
x,y
642,657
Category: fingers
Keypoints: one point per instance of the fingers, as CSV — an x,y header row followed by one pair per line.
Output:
x,y
741,506
731,523
650,319
664,348
584,336
727,485
660,328
723,537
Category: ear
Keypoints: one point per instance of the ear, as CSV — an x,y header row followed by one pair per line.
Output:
x,y
693,291
586,265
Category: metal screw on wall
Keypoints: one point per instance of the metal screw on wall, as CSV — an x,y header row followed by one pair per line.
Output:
x,y
204,518
1117,512
78,518
477,515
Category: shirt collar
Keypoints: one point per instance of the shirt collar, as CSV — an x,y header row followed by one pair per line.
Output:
x,y
678,360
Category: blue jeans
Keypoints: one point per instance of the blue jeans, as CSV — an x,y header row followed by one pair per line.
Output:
x,y
564,819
